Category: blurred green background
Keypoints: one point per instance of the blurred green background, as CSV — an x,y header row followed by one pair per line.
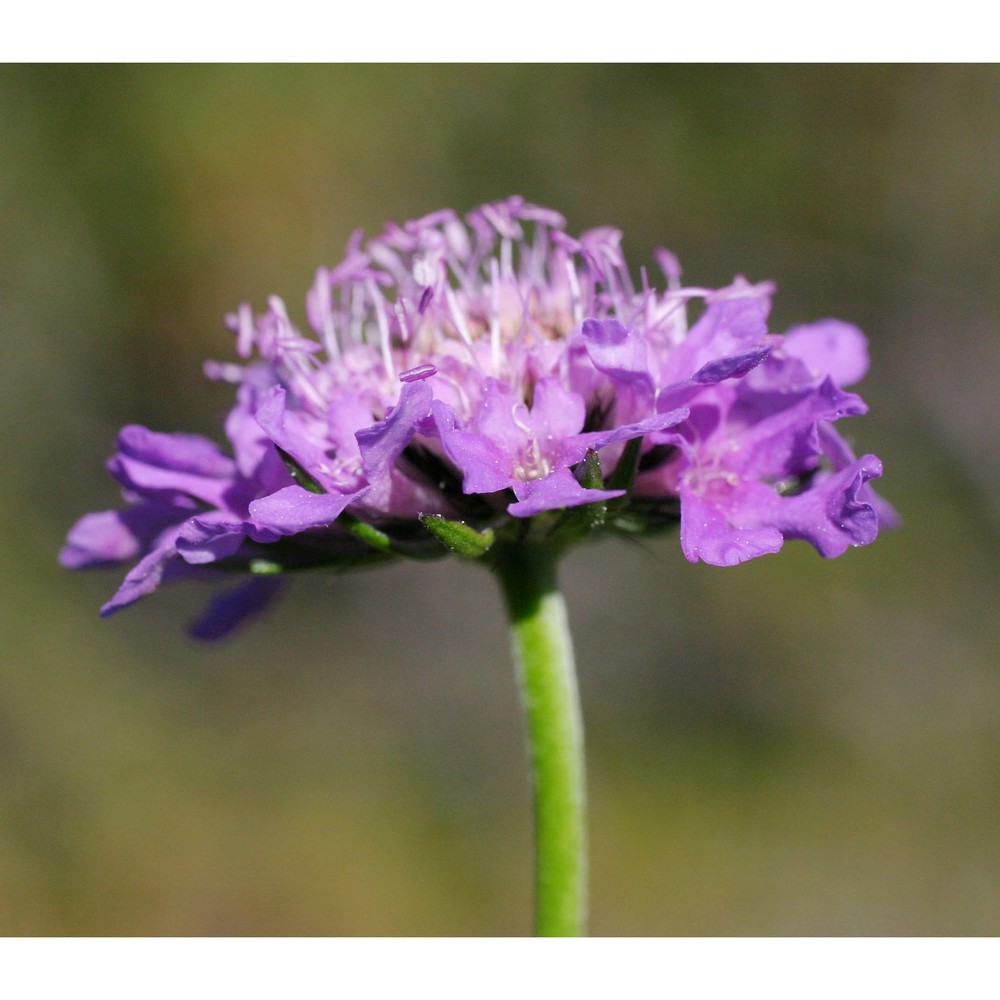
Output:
x,y
793,746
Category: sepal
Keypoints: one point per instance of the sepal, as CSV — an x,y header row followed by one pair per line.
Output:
x,y
459,537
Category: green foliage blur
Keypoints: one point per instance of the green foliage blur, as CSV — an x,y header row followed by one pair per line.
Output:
x,y
790,747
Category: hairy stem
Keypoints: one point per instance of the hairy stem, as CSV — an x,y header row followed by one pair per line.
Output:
x,y
543,653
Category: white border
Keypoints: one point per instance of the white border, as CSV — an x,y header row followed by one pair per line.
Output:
x,y
498,969
512,31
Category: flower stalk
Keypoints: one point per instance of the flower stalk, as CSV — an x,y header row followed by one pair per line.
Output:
x,y
543,654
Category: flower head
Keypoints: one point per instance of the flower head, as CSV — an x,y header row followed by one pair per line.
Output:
x,y
495,380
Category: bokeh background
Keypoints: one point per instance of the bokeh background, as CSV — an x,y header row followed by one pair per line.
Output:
x,y
792,746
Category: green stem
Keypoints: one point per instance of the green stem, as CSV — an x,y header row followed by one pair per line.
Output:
x,y
543,653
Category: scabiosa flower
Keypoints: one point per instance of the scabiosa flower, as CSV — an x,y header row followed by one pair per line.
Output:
x,y
468,386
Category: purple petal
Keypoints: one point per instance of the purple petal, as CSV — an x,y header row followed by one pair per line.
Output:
x,y
347,415
179,452
831,348
708,534
304,438
206,539
600,439
734,366
160,466
294,509
232,608
253,449
113,536
162,485
839,451
97,539
557,490
166,485
485,467
776,433
503,418
383,443
618,352
555,413
835,513
724,524
734,323
143,578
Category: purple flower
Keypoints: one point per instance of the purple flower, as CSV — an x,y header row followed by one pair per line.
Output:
x,y
495,379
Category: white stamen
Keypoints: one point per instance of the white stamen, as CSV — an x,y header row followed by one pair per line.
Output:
x,y
404,327
614,293
324,297
574,292
507,259
224,371
495,352
244,331
378,300
539,253
357,313
296,355
459,321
